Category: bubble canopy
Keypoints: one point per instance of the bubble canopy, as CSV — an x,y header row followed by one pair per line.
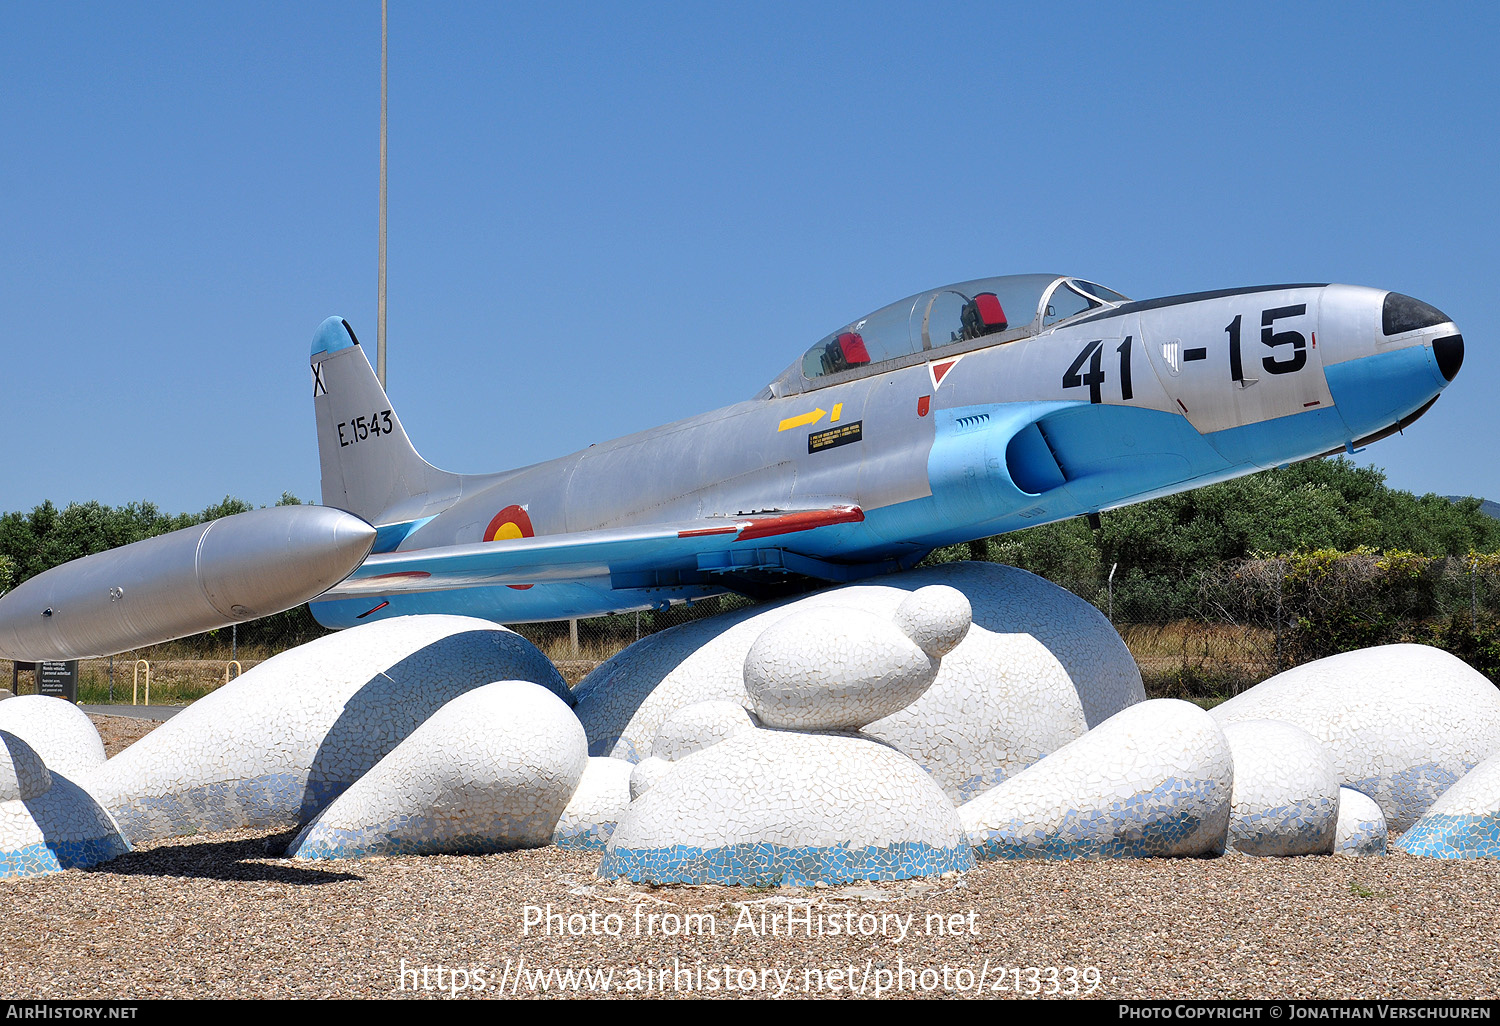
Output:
x,y
970,314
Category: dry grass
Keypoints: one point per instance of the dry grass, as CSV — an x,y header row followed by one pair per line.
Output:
x,y
1192,643
561,650
1186,659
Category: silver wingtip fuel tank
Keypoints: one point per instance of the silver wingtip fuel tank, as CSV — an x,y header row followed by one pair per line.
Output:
x,y
200,578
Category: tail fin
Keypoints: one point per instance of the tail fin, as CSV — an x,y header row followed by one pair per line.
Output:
x,y
369,465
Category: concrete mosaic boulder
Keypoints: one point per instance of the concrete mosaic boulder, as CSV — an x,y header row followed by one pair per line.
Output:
x,y
695,727
1401,723
47,822
1464,823
23,774
1361,829
624,702
1286,795
1154,780
602,796
1000,702
773,807
276,745
492,770
61,828
646,773
59,731
839,668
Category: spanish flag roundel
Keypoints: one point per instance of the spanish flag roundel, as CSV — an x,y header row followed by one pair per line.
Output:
x,y
510,522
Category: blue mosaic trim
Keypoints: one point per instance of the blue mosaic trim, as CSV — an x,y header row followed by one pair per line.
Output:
x,y
1286,829
1419,786
272,799
408,835
1147,825
54,857
593,837
768,865
1454,836
1406,796
980,783
1367,838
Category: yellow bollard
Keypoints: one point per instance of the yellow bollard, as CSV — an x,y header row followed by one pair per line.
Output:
x,y
135,679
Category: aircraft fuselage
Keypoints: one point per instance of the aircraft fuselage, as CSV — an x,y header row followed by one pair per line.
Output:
x,y
950,442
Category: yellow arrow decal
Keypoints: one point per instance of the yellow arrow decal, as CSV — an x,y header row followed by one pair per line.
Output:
x,y
801,419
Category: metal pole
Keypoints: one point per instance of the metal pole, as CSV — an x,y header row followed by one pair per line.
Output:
x,y
111,680
573,635
1473,592
380,314
1112,570
234,642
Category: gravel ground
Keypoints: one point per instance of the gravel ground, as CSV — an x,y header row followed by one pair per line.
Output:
x,y
120,732
218,916
221,916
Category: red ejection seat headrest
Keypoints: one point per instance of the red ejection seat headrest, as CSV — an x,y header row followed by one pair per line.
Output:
x,y
990,311
852,345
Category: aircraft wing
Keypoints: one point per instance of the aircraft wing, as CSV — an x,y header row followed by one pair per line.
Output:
x,y
582,554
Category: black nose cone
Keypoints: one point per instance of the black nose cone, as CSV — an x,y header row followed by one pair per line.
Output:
x,y
1449,351
1403,313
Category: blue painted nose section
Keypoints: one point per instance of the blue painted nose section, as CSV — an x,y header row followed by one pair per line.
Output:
x,y
1381,393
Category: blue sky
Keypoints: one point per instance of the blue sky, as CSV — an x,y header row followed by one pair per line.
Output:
x,y
606,217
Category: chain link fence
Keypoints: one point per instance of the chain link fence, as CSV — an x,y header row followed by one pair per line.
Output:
x,y
1208,635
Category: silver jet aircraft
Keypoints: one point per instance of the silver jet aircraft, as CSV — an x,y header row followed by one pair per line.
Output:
x,y
955,414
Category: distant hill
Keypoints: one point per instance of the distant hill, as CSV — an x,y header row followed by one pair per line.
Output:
x,y
1486,507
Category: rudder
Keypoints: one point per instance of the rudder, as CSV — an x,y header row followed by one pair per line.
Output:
x,y
369,465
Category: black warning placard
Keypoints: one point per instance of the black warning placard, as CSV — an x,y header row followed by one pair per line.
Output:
x,y
834,437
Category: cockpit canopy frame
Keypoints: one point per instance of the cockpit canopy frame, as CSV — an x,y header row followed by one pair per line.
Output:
x,y
954,319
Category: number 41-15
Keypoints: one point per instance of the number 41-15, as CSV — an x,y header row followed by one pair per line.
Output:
x,y
1093,353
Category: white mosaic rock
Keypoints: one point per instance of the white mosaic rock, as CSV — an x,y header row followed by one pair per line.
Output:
x,y
1361,825
646,774
23,774
490,771
935,618
279,743
1000,702
1286,794
60,732
1153,780
834,668
62,828
695,727
782,807
625,700
602,797
1401,723
1464,823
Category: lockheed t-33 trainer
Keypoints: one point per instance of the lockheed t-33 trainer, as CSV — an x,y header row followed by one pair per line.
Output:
x,y
954,414
958,413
